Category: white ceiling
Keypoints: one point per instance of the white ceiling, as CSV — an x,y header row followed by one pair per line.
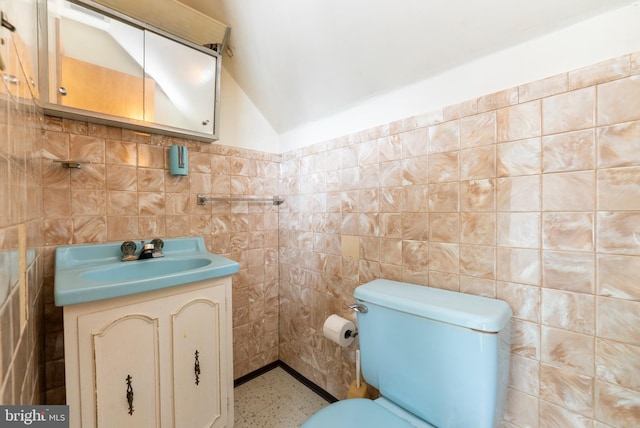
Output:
x,y
303,60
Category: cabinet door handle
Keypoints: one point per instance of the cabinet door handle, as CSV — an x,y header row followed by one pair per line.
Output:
x,y
130,394
196,368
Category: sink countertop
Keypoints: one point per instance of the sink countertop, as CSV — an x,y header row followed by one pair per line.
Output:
x,y
85,273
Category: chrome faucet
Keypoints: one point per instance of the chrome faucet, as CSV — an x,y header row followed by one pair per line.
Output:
x,y
147,251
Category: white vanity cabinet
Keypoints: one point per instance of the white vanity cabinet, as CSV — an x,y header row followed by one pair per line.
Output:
x,y
157,359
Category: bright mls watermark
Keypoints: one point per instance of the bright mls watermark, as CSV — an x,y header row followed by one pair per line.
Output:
x,y
34,416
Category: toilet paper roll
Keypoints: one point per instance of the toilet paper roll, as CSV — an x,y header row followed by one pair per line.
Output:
x,y
339,330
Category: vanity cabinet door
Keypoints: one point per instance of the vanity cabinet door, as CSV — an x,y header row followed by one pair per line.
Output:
x,y
156,359
198,327
120,366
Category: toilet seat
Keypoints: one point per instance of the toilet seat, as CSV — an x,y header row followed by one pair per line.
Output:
x,y
359,412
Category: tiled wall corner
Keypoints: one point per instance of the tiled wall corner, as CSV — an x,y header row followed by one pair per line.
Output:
x,y
529,195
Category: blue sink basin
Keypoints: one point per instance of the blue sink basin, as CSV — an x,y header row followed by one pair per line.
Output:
x,y
142,269
86,273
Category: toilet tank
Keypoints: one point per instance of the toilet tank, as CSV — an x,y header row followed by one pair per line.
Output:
x,y
439,354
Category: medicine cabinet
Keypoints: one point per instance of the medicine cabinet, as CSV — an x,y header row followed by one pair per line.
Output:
x,y
102,66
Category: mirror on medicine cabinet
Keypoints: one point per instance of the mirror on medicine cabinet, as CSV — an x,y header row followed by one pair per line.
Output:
x,y
104,68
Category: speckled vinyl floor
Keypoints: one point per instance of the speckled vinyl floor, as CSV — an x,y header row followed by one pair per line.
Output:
x,y
275,400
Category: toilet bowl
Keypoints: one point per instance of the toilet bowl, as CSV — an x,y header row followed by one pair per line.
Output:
x,y
439,359
362,412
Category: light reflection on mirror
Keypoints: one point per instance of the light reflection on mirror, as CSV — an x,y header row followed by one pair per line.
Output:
x,y
190,97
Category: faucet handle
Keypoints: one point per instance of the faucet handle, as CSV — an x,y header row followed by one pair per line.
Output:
x,y
158,245
128,248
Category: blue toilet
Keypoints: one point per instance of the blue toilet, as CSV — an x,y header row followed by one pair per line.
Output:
x,y
439,359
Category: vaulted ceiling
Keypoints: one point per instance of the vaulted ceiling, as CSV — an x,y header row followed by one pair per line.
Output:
x,y
303,60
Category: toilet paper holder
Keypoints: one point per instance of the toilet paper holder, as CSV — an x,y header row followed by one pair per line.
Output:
x,y
339,330
349,333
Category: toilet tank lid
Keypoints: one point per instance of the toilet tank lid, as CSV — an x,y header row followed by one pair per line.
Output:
x,y
464,310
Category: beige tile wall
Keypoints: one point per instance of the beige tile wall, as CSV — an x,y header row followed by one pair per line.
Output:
x,y
124,191
21,212
531,195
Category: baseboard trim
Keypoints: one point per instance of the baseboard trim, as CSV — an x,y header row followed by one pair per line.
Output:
x,y
309,384
254,374
303,380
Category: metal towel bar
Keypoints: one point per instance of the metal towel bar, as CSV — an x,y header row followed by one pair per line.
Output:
x,y
277,200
